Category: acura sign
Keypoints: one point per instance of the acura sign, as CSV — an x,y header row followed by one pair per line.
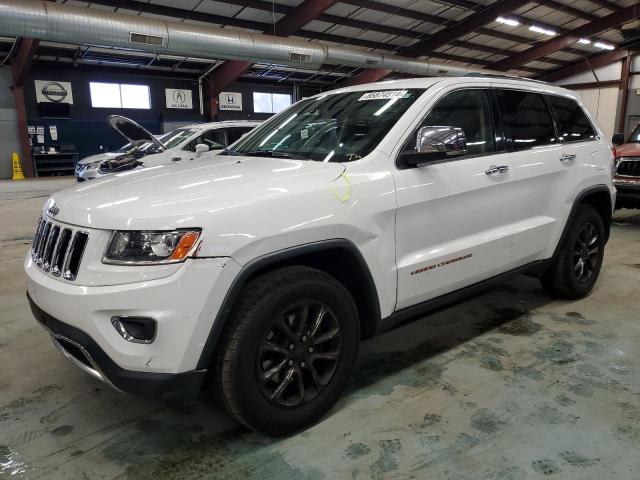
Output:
x,y
178,98
53,92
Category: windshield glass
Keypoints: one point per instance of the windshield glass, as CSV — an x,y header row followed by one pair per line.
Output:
x,y
635,135
177,136
339,127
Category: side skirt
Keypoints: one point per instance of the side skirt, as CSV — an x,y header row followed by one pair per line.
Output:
x,y
415,312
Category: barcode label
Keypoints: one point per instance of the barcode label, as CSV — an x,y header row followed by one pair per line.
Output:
x,y
383,95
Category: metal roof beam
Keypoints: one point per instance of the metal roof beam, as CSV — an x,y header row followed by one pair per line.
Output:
x,y
558,43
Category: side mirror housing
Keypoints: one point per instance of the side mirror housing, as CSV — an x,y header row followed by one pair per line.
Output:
x,y
435,143
618,138
201,148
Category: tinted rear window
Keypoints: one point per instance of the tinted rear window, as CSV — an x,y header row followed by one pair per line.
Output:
x,y
526,119
573,124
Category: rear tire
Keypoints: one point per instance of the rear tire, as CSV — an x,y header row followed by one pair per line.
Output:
x,y
288,350
577,265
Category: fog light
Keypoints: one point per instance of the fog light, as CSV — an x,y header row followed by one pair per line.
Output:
x,y
135,329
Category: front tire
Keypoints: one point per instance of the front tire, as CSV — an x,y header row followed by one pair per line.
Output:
x,y
577,265
288,350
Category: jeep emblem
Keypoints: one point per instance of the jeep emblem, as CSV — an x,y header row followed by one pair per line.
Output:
x,y
53,210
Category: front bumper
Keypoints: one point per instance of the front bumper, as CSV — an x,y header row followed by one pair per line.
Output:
x,y
81,350
628,193
183,304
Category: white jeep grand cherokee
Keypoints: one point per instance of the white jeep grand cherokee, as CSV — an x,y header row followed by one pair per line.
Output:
x,y
341,217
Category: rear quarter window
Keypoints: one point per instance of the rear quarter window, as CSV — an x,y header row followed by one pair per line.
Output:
x,y
573,123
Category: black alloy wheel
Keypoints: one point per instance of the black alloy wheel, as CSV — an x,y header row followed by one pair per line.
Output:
x,y
298,354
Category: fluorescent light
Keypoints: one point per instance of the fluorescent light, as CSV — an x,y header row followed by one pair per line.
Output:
x,y
584,41
508,21
604,46
544,31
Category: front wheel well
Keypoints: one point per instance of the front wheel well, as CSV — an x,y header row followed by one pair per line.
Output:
x,y
347,266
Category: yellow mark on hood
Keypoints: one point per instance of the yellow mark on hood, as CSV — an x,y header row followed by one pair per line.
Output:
x,y
347,194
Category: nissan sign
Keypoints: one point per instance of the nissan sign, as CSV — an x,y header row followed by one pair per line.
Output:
x,y
48,91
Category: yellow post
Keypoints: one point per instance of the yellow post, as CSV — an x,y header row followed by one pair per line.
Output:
x,y
17,168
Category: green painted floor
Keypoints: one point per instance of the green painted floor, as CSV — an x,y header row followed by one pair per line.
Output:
x,y
508,386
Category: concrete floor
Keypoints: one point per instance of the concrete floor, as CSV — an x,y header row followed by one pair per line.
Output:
x,y
511,385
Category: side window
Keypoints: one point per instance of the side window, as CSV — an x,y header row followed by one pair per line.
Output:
x,y
235,133
526,118
214,139
573,124
469,110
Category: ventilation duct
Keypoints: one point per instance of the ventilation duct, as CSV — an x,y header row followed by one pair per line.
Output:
x,y
57,22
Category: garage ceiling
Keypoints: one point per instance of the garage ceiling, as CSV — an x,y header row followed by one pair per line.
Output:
x,y
384,26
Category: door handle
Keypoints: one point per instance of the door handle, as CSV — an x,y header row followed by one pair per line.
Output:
x,y
495,170
567,157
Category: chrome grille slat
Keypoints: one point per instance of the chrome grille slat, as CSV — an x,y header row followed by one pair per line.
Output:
x,y
62,249
58,250
36,240
42,243
50,245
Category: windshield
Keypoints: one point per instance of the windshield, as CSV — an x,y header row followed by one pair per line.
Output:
x,y
339,127
635,135
177,136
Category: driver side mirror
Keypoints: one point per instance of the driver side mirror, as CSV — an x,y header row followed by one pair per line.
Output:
x,y
201,148
618,138
435,143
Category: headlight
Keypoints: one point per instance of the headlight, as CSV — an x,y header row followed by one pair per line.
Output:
x,y
148,247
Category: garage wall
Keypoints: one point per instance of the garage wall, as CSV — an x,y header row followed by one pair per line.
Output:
x,y
633,101
87,128
9,140
602,103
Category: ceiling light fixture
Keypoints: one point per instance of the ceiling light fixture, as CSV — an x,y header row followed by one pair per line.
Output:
x,y
584,41
508,21
604,46
544,31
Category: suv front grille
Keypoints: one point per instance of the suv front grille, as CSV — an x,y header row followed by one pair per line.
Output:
x,y
58,250
629,167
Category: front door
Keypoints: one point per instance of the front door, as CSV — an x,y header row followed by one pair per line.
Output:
x,y
453,217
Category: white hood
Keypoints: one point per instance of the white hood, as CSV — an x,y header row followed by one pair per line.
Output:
x,y
99,157
186,194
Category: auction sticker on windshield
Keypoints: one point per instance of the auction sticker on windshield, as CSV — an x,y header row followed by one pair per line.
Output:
x,y
383,95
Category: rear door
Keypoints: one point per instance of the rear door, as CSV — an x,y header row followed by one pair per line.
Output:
x,y
542,173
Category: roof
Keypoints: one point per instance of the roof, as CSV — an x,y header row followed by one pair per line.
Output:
x,y
422,82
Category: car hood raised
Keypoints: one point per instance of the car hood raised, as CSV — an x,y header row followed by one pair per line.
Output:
x,y
179,195
132,131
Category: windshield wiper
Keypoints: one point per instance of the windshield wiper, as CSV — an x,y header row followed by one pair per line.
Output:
x,y
227,151
276,154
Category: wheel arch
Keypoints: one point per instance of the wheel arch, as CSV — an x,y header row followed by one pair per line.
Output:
x,y
340,258
599,197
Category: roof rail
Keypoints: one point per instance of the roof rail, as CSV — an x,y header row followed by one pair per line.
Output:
x,y
507,77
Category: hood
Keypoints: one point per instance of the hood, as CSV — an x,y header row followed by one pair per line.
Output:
x,y
98,157
184,195
130,130
628,150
